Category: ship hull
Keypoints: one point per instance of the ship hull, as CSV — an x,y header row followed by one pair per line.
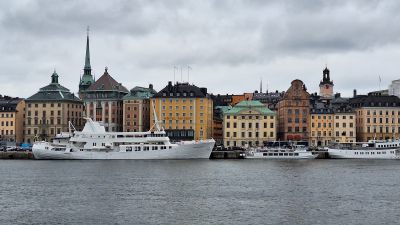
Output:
x,y
364,154
196,150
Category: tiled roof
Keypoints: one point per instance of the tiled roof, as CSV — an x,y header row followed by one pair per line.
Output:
x,y
9,104
375,101
107,83
249,105
182,90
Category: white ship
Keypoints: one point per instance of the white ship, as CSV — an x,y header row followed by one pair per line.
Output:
x,y
93,142
296,152
371,150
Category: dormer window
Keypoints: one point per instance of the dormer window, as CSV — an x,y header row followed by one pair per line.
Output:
x,y
178,94
184,93
191,94
164,94
171,94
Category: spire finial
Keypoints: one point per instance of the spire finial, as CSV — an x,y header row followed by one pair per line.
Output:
x,y
87,68
106,69
87,30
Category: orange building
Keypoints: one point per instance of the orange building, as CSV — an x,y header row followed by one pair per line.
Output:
x,y
293,113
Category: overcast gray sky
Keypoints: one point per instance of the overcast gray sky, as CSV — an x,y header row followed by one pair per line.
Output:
x,y
230,45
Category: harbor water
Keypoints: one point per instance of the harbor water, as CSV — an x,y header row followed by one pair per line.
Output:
x,y
200,192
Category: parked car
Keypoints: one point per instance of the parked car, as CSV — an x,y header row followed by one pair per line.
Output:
x,y
10,148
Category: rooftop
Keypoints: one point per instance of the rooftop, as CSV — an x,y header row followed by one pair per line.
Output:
x,y
107,83
249,105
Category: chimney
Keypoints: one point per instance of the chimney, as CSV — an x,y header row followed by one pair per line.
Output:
x,y
169,83
150,86
203,90
354,93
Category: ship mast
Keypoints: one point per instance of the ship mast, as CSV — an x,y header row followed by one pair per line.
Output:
x,y
156,121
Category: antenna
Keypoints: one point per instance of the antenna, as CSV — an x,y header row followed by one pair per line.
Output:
x,y
181,75
188,68
174,73
380,80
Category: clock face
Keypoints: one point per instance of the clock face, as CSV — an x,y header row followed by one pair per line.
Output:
x,y
326,86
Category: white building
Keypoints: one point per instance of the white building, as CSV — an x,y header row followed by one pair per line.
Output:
x,y
394,88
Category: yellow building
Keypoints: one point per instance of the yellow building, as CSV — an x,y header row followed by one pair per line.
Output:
x,y
345,127
328,126
249,123
49,111
377,117
11,119
186,111
321,127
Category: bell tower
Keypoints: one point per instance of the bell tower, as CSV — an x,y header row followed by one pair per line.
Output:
x,y
326,85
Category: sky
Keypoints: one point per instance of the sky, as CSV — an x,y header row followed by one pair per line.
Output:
x,y
229,45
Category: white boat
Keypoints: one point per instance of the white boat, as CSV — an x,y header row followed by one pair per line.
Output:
x,y
372,149
93,142
295,152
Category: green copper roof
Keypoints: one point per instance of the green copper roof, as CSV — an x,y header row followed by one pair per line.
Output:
x,y
249,105
53,92
139,93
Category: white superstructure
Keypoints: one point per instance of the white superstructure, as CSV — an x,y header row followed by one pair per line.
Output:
x,y
370,150
93,142
296,152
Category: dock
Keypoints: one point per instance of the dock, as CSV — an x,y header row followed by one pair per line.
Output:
x,y
16,155
227,154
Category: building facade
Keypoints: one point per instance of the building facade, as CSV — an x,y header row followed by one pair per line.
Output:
x,y
377,117
12,112
186,111
136,109
103,102
329,125
394,88
293,113
249,124
49,111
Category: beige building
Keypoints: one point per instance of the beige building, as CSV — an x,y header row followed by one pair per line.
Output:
x,y
377,117
328,126
11,119
186,111
49,111
249,123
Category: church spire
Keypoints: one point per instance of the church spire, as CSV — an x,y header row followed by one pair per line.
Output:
x,y
87,69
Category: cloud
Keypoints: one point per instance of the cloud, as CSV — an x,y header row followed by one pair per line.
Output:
x,y
229,44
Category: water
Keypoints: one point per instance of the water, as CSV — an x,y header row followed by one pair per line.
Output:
x,y
200,192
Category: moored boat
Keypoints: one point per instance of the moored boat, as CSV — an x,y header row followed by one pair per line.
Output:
x,y
294,152
93,142
373,149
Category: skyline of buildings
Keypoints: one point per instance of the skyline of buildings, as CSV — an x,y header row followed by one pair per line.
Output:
x,y
189,112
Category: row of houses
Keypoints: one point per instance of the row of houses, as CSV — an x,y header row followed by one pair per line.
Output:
x,y
188,112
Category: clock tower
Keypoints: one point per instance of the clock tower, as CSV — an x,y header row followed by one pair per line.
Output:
x,y
326,85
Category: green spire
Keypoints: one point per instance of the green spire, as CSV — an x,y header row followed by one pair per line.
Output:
x,y
87,69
